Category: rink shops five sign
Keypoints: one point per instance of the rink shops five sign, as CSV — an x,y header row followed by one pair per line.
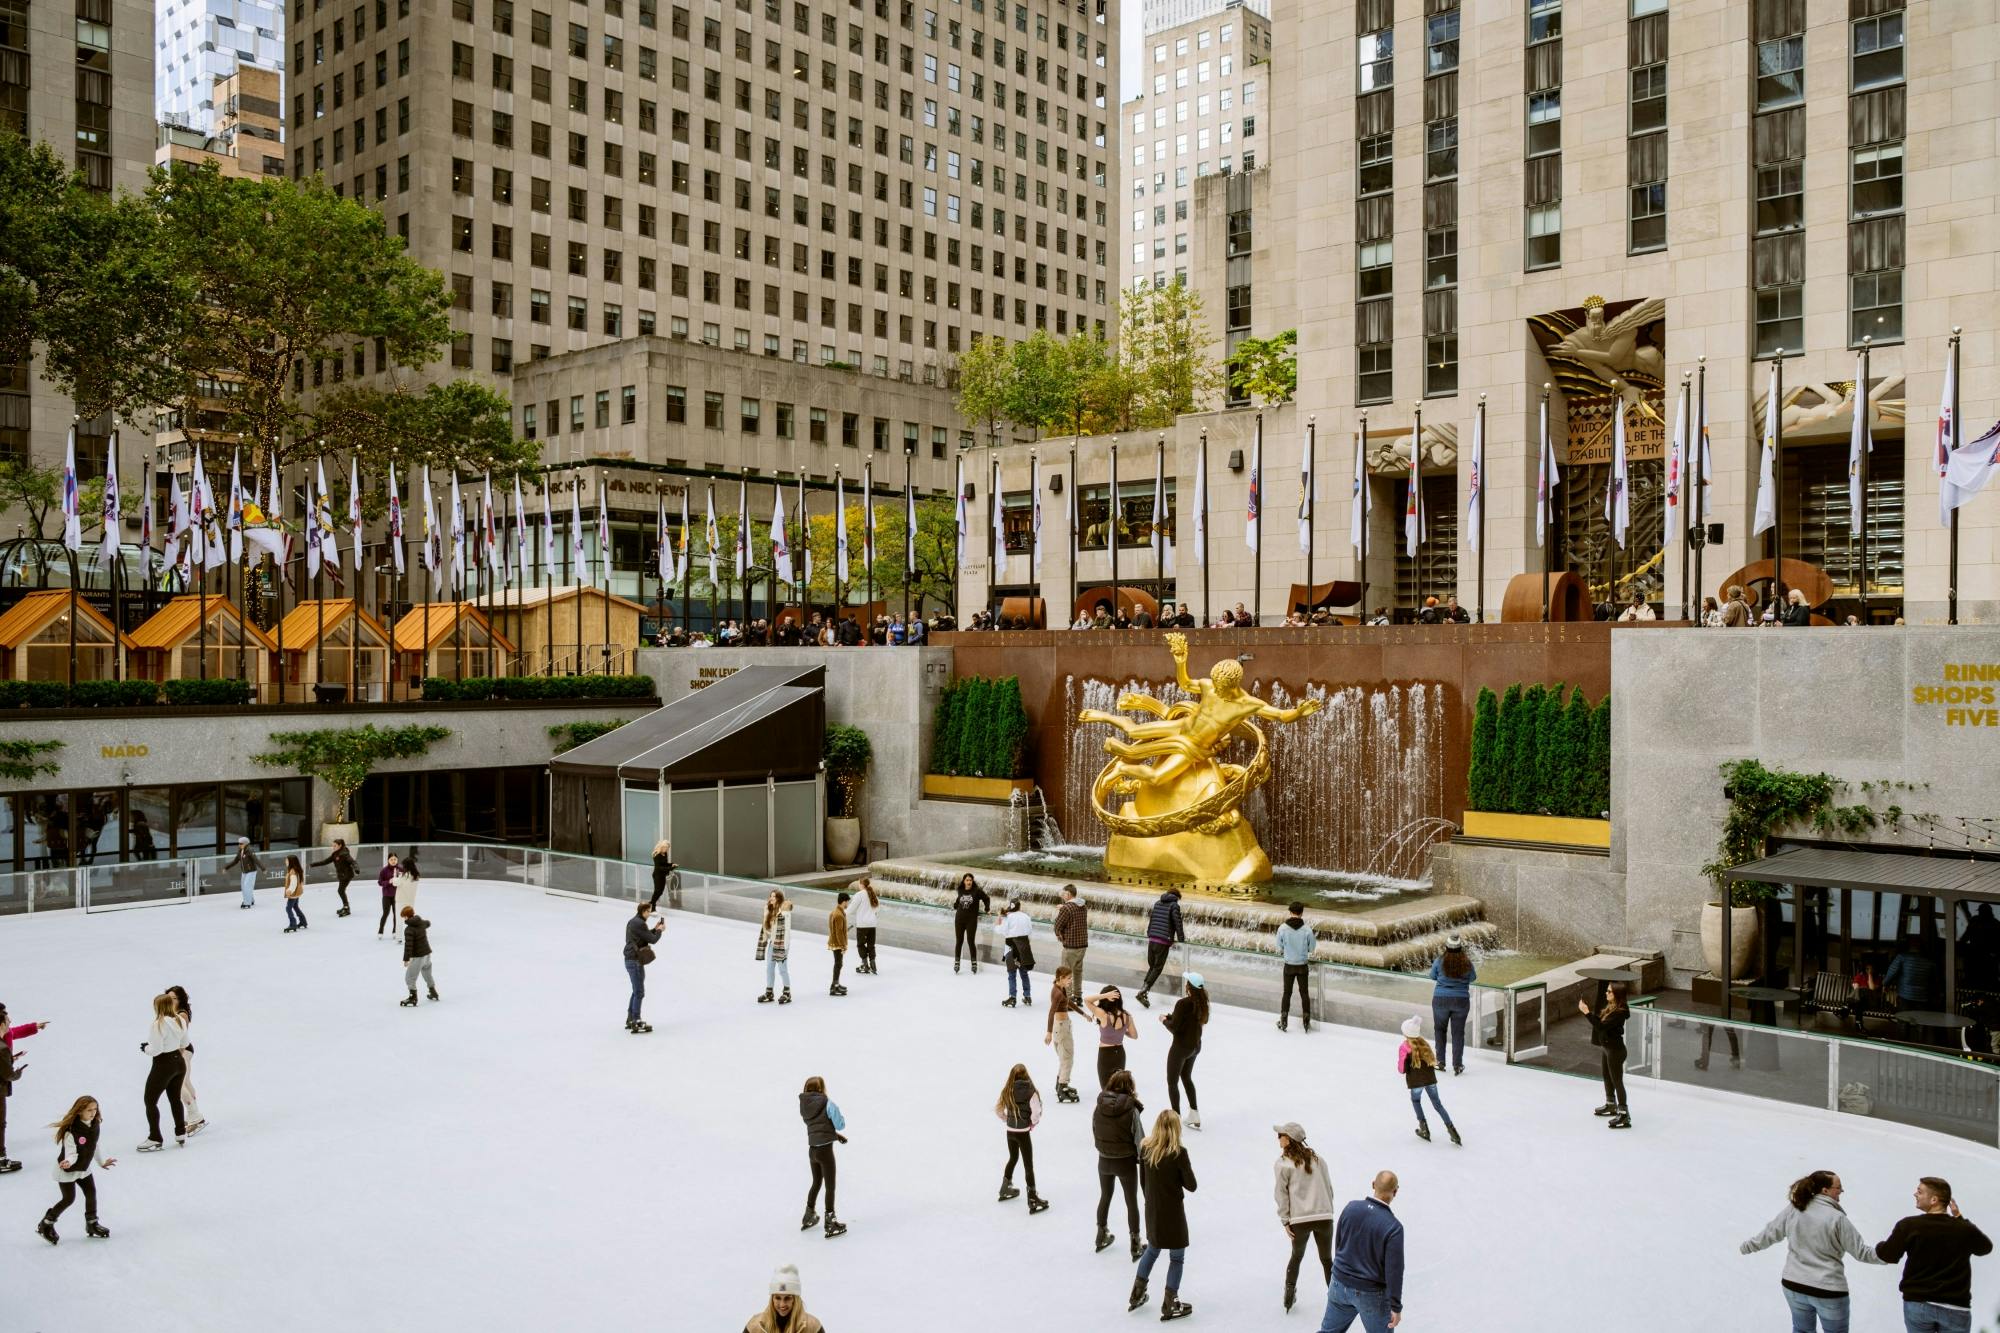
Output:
x,y
707,676
1969,694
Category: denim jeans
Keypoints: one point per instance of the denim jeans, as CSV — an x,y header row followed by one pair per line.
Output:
x,y
772,968
1448,1015
1176,1259
1925,1317
1027,982
294,914
1345,1304
636,970
1829,1311
249,888
1417,1104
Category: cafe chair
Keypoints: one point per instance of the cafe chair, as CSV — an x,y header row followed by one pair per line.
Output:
x,y
1829,993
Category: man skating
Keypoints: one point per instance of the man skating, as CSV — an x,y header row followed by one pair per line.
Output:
x,y
1295,946
1936,1246
1073,934
1367,1263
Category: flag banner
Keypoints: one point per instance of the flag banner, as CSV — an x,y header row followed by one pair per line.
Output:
x,y
1256,496
1160,508
1947,441
958,488
179,529
1618,493
322,518
579,570
663,557
1306,494
604,531
72,520
868,518
840,528
1766,514
1035,515
712,534
1860,443
146,527
523,548
548,568
999,510
235,524
1677,472
354,508
315,536
1548,476
1703,469
488,526
429,558
909,526
112,511
1201,507
805,538
1973,465
742,565
781,542
1475,504
395,521
1414,522
681,557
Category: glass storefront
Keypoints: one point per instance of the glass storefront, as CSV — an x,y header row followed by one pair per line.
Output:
x,y
109,826
509,805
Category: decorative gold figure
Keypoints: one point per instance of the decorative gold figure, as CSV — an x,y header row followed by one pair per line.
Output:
x,y
1181,812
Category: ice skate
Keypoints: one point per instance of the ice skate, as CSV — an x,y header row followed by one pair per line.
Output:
x,y
8,1164
1452,1130
290,929
1145,1002
195,1127
1007,1191
1036,1203
1291,1296
1607,1109
1137,1249
151,1145
1104,1239
1138,1295
434,992
1623,1120
786,996
765,998
47,1231
834,1227
1284,1025
954,965
1194,1118
1423,1132
92,1227
1173,1307
975,967
1308,1024
809,1221
1007,1003
410,1003
1457,1070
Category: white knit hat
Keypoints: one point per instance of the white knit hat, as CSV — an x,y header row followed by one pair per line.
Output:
x,y
1413,1026
785,1280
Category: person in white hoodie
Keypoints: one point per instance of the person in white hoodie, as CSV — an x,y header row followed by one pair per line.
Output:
x,y
1817,1236
1304,1192
861,916
1014,927
165,1042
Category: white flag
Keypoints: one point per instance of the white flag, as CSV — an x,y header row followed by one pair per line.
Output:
x,y
523,549
806,545
1308,484
214,551
488,534
1618,494
868,517
72,521
681,550
1860,441
395,520
1201,507
1677,472
548,536
840,528
742,565
1547,476
663,559
179,527
329,543
909,526
275,515
1414,520
430,558
1947,441
1767,490
1703,469
958,485
604,532
781,545
146,525
315,534
113,505
576,543
712,535
1160,508
354,506
1475,505
999,510
1256,496
1972,466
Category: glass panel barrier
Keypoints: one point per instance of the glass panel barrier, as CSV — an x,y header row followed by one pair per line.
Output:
x,y
1937,1092
1775,1064
113,886
50,890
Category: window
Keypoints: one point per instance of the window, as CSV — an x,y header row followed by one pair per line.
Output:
x,y
1649,98
1648,217
601,408
1545,20
1441,365
1545,236
1780,197
1781,79
1377,156
1878,180
1441,42
677,404
1376,276
1780,319
1545,122
579,314
751,415
1376,57
711,410
1877,303
575,413
1878,51
1238,307
1441,149
1441,257
1374,373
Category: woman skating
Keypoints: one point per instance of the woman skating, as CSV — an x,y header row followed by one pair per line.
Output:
x,y
1020,1110
823,1125
1056,1033
1186,1020
190,1104
295,889
1114,1125
1818,1235
10,1073
967,906
1018,954
1608,1023
407,879
1452,975
773,938
1418,1064
1169,1177
836,941
385,880
1114,1026
785,1312
164,1042
77,1143
344,869
663,866
861,916
1304,1192
416,956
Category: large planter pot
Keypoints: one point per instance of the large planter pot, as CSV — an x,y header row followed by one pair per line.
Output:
x,y
843,840
998,791
349,833
1550,830
1743,940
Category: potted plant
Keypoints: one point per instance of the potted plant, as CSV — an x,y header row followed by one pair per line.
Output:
x,y
1746,919
1761,801
847,756
343,758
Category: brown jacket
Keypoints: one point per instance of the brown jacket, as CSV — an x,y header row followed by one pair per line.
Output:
x,y
836,928
1735,614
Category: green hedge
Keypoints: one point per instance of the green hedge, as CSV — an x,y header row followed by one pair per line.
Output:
x,y
224,691
122,693
980,729
1535,752
114,694
538,687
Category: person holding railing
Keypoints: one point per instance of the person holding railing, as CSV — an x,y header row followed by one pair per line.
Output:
x,y
343,865
1163,932
1296,942
245,862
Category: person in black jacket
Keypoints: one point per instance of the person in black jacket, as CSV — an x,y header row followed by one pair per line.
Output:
x,y
1796,615
416,955
1937,1245
343,865
640,934
1163,931
1607,1030
1114,1125
823,1125
1169,1177
663,866
968,905
1188,1018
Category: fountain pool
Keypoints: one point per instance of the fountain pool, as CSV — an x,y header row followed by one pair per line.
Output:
x,y
1316,888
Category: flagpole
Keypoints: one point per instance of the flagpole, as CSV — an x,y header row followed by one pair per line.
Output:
x,y
1699,513
71,503
354,598
117,569
1205,616
1306,488
1863,406
1257,481
604,527
1111,529
1479,575
1072,512
1777,410
1690,606
1547,445
1361,485
1951,574
1417,495
1160,499
1035,530
276,515
910,539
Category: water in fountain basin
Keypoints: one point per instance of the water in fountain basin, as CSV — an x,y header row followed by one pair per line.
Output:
x,y
1320,888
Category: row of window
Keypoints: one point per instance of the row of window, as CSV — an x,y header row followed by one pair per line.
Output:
x,y
1252,34
714,414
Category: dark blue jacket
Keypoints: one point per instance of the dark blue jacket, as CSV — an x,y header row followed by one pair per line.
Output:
x,y
1368,1249
1165,922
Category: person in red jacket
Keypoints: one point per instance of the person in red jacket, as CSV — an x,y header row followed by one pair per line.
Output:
x,y
385,880
8,1073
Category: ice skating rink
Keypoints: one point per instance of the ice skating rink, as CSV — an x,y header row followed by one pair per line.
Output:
x,y
510,1158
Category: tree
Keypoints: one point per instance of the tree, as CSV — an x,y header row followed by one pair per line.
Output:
x,y
1267,368
344,757
1520,722
1503,752
1166,348
937,552
1575,741
34,490
1550,780
985,383
1479,793
1042,388
1090,385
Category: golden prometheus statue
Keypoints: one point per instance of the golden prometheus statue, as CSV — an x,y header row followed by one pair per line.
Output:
x,y
1181,808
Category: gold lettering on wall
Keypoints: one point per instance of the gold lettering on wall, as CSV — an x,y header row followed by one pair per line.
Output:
x,y
1966,702
707,676
123,751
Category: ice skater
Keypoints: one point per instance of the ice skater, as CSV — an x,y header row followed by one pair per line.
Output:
x,y
1073,934
663,866
10,1073
1056,1033
1296,943
385,880
1114,1126
1367,1263
295,890
1186,1021
1163,931
824,1124
344,870
1114,1025
1936,1244
1018,954
1452,975
1304,1192
968,905
773,936
190,1104
1608,1030
245,864
1169,1177
785,1312
416,955
641,935
1817,1235
407,876
861,916
78,1136
1418,1064
836,941
1020,1110
164,1042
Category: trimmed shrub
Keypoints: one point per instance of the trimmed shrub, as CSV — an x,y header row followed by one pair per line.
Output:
x,y
475,688
219,693
1503,750
848,754
115,694
1479,786
1573,741
1597,767
1549,758
945,728
1010,731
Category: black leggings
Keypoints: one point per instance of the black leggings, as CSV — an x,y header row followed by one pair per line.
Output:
x,y
963,926
1110,1059
1021,1146
169,1068
1157,953
864,945
342,889
1115,1172
1180,1070
1614,1076
388,914
69,1188
1321,1235
822,1168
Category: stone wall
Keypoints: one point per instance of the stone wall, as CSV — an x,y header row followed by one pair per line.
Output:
x,y
1543,902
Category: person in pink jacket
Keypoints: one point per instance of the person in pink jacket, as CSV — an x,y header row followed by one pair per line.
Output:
x,y
8,1073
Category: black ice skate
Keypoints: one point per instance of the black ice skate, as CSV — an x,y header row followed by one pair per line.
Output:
x,y
1423,1131
92,1228
1284,1025
1173,1307
1452,1130
1145,1001
1137,1249
1138,1297
1609,1108
8,1164
47,1231
434,992
1623,1120
1291,1296
786,997
410,1003
1007,1191
1007,1003
1036,1203
834,1227
1104,1239
765,998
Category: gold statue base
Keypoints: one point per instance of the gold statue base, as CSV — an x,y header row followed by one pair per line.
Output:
x,y
1213,861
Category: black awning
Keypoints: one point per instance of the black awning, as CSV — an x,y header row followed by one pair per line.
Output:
x,y
1952,877
761,721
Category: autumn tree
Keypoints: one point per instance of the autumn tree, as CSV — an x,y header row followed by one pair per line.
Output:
x,y
1166,349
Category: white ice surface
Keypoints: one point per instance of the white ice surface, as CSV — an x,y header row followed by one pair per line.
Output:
x,y
511,1159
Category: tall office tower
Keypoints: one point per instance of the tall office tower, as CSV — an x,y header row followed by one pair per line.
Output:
x,y
249,125
203,41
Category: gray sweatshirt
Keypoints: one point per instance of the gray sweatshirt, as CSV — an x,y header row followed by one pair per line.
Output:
x,y
1302,1197
1815,1240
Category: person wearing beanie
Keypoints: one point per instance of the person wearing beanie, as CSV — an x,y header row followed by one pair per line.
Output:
x,y
1188,1017
416,956
785,1312
1418,1064
1304,1191
836,940
1295,944
1452,975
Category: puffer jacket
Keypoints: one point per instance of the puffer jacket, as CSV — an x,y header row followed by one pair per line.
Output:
x,y
823,1119
416,938
1303,1196
1113,1124
1816,1237
1165,921
1024,1110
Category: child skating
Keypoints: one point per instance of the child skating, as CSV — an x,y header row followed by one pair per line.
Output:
x,y
1418,1064
1020,1110
773,936
823,1125
77,1135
